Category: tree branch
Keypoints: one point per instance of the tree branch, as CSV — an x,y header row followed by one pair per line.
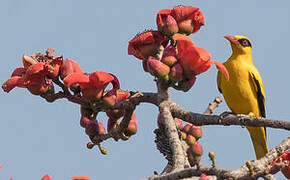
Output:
x,y
229,119
260,168
170,130
211,107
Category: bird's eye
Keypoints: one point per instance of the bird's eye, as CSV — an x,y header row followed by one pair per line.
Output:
x,y
245,43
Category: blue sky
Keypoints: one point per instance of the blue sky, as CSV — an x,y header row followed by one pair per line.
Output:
x,y
39,138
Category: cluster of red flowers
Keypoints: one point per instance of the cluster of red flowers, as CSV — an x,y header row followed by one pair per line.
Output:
x,y
180,62
36,73
41,72
285,159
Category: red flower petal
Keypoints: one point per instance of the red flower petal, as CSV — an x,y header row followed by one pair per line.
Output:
x,y
146,44
19,71
161,17
115,82
69,66
35,69
166,23
76,78
122,95
181,13
53,68
221,68
13,82
132,126
109,98
27,61
101,79
81,178
198,21
183,41
158,69
46,177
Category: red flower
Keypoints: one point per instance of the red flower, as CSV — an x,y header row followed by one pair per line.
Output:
x,y
27,61
194,60
182,19
285,170
166,23
36,73
169,56
157,68
81,178
34,78
146,44
117,113
132,126
46,177
68,67
92,85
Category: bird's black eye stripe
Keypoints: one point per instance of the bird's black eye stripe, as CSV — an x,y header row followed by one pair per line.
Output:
x,y
245,42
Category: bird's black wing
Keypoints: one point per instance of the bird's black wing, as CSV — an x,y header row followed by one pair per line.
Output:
x,y
260,96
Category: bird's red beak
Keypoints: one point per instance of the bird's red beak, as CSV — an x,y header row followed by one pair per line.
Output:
x,y
232,39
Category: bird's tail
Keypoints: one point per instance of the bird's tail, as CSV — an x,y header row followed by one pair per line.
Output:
x,y
258,136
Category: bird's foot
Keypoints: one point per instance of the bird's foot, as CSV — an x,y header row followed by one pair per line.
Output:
x,y
250,115
225,114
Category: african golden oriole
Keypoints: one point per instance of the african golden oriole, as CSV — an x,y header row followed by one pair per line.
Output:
x,y
244,91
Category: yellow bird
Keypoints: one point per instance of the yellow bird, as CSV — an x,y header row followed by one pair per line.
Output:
x,y
244,91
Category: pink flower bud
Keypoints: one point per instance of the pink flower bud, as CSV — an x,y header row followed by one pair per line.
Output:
x,y
187,127
190,140
158,69
176,73
196,131
132,127
169,56
68,67
178,123
170,27
185,27
196,149
183,135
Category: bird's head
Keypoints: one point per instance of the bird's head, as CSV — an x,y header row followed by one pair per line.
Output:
x,y
240,44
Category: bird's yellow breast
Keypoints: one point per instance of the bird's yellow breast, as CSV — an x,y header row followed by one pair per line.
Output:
x,y
238,91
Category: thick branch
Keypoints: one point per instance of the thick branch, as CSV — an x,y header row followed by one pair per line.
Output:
x,y
167,121
229,119
260,168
